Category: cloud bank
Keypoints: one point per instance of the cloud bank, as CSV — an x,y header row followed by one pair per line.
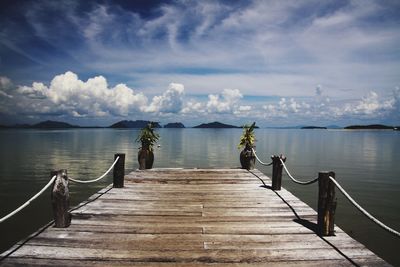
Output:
x,y
67,96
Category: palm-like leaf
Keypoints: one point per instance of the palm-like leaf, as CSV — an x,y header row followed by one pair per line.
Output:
x,y
248,137
147,136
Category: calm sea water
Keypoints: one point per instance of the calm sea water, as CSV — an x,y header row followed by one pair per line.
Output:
x,y
367,164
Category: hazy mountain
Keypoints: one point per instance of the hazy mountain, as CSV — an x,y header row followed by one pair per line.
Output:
x,y
134,124
369,127
215,124
174,125
313,127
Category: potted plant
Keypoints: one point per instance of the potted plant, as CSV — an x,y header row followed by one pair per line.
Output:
x,y
247,141
147,137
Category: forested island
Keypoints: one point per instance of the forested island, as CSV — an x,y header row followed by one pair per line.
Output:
x,y
174,125
313,127
215,124
370,127
134,124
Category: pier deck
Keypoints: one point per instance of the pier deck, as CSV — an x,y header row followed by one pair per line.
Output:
x,y
191,217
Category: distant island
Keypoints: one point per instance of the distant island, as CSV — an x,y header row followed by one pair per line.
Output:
x,y
47,125
313,127
174,125
369,127
215,124
125,124
42,125
134,124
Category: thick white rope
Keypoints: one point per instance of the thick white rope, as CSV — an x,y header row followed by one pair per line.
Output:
x,y
30,200
363,211
97,179
294,180
258,159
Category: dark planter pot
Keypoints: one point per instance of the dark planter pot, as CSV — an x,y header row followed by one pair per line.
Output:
x,y
145,158
247,159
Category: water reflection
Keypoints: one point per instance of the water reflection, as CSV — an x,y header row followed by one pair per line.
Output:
x,y
366,164
171,147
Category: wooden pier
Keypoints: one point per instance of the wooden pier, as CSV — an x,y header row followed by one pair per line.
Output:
x,y
191,217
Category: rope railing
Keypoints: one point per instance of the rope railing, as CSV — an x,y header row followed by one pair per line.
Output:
x,y
293,179
326,196
60,192
97,179
29,201
363,211
258,159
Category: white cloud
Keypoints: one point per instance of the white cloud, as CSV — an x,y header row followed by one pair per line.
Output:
x,y
321,108
5,83
244,108
91,98
371,106
123,100
169,102
5,86
368,105
290,106
37,90
68,96
4,94
244,111
224,103
193,107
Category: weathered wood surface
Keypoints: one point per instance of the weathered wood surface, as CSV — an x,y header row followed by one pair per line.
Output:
x,y
196,217
60,199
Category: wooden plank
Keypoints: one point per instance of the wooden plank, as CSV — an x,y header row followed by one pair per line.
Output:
x,y
127,218
102,219
149,229
108,202
127,241
192,217
202,255
199,237
124,263
197,210
187,198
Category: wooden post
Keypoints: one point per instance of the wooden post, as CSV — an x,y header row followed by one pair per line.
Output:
x,y
119,171
277,172
60,199
326,204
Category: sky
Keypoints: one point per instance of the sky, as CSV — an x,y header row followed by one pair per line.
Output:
x,y
279,63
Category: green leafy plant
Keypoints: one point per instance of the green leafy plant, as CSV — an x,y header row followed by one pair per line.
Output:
x,y
248,137
148,137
